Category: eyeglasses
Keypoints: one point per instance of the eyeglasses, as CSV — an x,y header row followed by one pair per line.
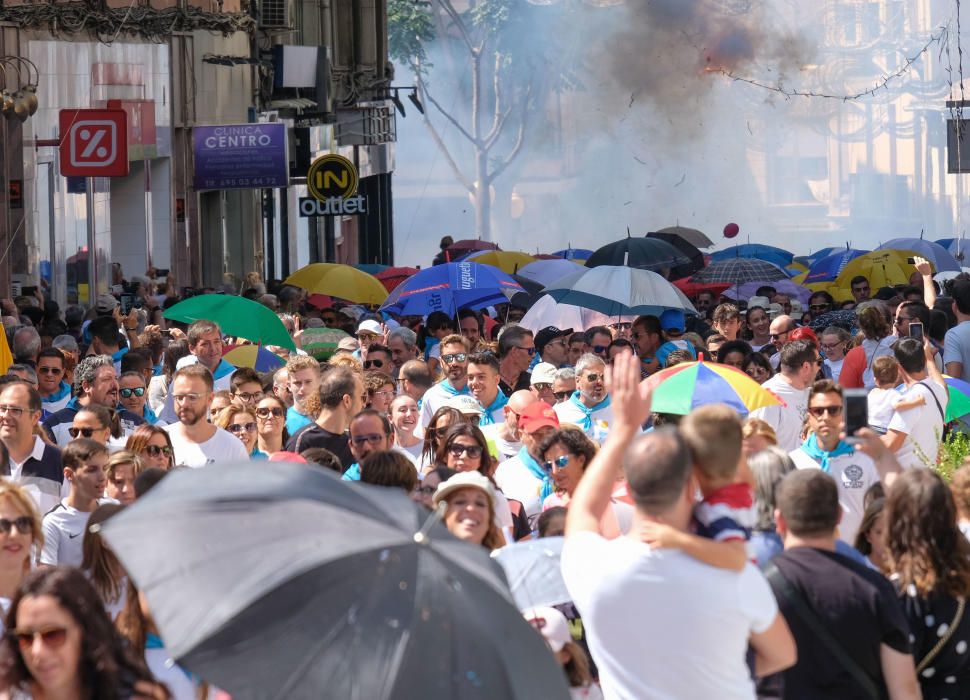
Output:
x,y
557,463
267,412
52,637
24,525
600,349
819,411
562,395
542,386
187,398
328,319
138,391
818,307
372,439
424,490
239,427
155,450
49,370
441,432
832,346
86,432
373,363
621,326
531,351
384,392
593,377
472,451
249,396
15,411
453,357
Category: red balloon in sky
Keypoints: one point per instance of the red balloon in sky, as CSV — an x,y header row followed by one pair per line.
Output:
x,y
731,230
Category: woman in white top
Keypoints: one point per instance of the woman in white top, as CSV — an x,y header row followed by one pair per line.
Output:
x,y
835,343
21,537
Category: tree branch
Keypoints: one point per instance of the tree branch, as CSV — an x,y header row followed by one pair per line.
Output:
x,y
436,137
459,24
519,138
497,116
430,98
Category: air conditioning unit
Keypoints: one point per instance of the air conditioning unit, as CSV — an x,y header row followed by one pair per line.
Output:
x,y
275,14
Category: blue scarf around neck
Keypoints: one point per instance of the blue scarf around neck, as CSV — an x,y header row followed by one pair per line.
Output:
x,y
500,402
587,423
450,390
812,449
537,471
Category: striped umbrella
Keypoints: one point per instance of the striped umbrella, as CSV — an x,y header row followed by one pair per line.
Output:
x,y
684,387
739,271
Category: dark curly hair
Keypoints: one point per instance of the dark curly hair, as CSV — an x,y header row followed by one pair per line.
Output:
x,y
575,441
107,667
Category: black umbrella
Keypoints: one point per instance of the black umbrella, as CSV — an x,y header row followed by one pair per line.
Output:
x,y
691,235
685,247
643,253
843,318
275,580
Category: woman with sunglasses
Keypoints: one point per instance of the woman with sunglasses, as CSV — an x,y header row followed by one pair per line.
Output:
x,y
123,467
61,644
21,539
134,396
438,426
152,445
241,421
271,434
758,367
94,422
100,563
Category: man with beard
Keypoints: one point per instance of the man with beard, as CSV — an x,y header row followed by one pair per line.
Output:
x,y
196,441
589,406
454,358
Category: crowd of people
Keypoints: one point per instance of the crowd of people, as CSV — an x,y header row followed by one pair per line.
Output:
x,y
712,554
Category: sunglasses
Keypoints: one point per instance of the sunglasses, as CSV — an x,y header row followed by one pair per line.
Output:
x,y
542,386
600,349
49,370
557,463
373,439
267,412
531,351
834,346
441,432
453,357
472,451
240,427
155,450
819,411
373,363
424,490
138,391
86,432
776,336
53,637
593,377
24,525
562,395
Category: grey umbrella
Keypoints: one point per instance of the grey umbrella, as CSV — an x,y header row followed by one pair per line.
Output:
x,y
282,581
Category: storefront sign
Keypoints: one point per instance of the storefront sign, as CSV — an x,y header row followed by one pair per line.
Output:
x,y
334,206
240,156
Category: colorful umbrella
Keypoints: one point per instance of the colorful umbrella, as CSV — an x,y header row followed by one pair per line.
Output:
x,y
958,404
641,253
614,291
685,247
255,356
450,287
237,316
941,258
508,261
464,247
684,387
342,281
321,343
393,276
829,268
739,271
371,268
883,268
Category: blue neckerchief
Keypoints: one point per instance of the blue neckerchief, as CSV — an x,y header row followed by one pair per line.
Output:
x,y
429,343
157,370
811,448
148,414
419,402
73,404
258,454
153,641
500,401
587,423
116,357
223,369
537,471
352,474
63,390
450,390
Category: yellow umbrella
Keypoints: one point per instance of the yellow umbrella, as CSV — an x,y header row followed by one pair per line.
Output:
x,y
883,268
509,261
341,281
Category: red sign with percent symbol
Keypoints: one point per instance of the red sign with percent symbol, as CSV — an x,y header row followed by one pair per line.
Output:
x,y
94,142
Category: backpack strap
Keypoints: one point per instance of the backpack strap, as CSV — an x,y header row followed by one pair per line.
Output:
x,y
939,406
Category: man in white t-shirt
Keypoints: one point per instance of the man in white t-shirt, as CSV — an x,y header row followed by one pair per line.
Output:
x,y
915,431
196,441
659,623
798,367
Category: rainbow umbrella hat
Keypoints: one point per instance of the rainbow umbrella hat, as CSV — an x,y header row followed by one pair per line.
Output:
x,y
680,389
958,393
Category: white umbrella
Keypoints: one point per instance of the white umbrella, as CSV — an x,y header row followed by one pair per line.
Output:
x,y
546,271
533,571
547,312
614,290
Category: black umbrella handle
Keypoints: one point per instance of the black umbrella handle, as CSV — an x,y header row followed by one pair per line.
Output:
x,y
421,536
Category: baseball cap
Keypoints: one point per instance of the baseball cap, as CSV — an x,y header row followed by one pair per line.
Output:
x,y
672,320
349,343
370,326
804,333
547,334
543,373
186,360
468,405
538,415
106,304
551,624
287,457
465,480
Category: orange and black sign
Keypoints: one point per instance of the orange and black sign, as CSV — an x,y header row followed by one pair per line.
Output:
x,y
332,176
16,194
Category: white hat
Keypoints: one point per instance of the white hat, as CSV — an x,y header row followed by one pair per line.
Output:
x,y
466,404
370,326
551,624
348,343
465,480
187,360
543,373
758,301
774,310
796,307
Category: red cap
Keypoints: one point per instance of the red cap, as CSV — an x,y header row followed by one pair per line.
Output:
x,y
287,457
538,415
804,333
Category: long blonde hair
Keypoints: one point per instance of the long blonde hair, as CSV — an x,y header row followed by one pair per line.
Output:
x,y
25,504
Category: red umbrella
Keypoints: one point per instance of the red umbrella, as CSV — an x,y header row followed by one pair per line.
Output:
x,y
393,276
692,289
459,248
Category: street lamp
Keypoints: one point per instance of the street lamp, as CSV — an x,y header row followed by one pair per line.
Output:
x,y
21,103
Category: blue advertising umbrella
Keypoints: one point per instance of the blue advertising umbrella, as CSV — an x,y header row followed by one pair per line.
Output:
x,y
769,253
942,259
450,287
580,254
828,269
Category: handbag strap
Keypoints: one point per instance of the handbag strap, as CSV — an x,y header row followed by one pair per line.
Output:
x,y
805,613
939,406
925,661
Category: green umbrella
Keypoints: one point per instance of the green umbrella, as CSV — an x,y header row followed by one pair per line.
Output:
x,y
236,316
958,392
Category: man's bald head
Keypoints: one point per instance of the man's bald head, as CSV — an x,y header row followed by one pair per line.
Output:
x,y
518,402
657,467
779,330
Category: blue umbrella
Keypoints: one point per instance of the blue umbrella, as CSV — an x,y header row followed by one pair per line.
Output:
x,y
450,287
957,247
942,259
827,269
573,254
371,268
769,253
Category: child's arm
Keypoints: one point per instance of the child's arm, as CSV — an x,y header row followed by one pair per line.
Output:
x,y
731,554
910,403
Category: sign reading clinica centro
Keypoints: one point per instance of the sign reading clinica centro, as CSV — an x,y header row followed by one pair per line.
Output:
x,y
332,180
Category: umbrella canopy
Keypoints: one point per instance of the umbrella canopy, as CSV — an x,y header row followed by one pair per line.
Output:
x,y
958,392
747,290
684,387
371,268
236,316
842,318
533,571
464,247
531,287
616,291
341,281
321,343
957,247
829,268
393,276
580,255
807,260
941,258
696,238
450,287
883,268
688,249
545,271
692,289
769,253
641,253
739,271
286,582
547,312
508,261
255,356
